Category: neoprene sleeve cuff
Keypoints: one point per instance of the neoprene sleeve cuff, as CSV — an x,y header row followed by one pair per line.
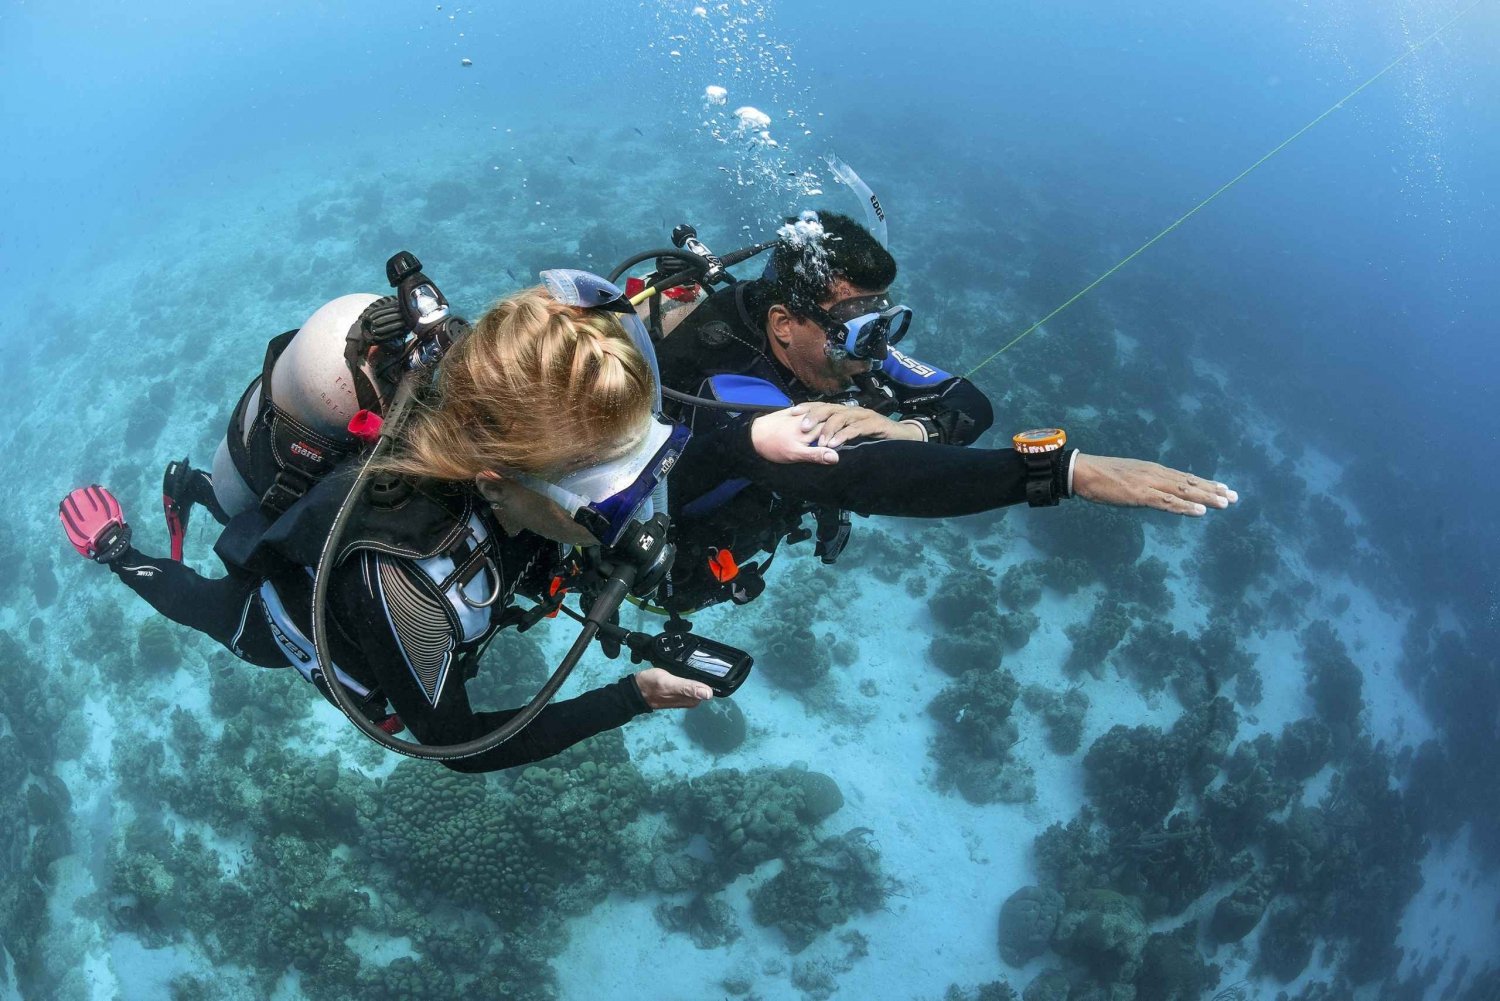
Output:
x,y
633,694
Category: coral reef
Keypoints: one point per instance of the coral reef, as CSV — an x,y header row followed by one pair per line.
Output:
x,y
821,887
1104,932
1334,683
706,919
1171,968
1027,920
1236,556
789,654
1021,585
1132,776
751,817
975,736
1095,638
1108,539
1062,712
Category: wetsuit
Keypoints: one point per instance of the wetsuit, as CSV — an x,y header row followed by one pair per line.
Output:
x,y
390,633
725,497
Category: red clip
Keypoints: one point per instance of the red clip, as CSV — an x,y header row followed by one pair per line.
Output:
x,y
634,285
392,725
722,565
365,425
553,590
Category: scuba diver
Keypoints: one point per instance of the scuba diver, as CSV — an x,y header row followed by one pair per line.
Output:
x,y
494,450
817,332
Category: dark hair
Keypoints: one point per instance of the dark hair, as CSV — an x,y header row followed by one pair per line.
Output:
x,y
851,253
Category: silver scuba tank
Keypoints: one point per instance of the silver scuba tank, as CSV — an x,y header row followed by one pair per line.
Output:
x,y
310,382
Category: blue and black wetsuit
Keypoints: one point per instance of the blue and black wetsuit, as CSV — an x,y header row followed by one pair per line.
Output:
x,y
725,497
401,633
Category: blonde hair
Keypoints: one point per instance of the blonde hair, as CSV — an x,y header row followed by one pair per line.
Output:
x,y
536,386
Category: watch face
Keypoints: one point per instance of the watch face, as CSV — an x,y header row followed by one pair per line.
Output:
x,y
1040,440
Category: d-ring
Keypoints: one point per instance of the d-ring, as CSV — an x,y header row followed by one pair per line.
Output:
x,y
494,594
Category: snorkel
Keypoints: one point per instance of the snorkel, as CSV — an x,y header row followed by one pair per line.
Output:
x,y
635,561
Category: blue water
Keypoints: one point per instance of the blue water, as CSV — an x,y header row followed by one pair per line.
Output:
x,y
184,181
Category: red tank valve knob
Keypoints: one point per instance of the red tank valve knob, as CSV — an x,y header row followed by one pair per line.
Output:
x,y
365,426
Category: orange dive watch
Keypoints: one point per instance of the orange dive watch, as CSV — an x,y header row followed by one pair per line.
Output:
x,y
1048,464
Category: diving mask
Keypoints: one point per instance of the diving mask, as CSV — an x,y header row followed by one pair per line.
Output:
x,y
606,498
864,326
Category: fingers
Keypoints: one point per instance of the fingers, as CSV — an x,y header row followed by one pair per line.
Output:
x,y
664,690
1194,490
685,696
814,414
834,428
1174,504
856,424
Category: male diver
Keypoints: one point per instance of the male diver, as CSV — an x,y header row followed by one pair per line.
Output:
x,y
817,331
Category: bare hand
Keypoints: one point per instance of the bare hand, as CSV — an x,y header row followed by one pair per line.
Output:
x,y
1106,479
837,423
664,690
780,437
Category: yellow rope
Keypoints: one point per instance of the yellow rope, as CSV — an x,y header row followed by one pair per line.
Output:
x,y
1229,184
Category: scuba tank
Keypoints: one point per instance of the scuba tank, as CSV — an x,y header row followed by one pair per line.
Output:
x,y
312,392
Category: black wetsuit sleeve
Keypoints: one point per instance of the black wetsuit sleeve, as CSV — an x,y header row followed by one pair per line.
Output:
x,y
959,409
904,479
453,721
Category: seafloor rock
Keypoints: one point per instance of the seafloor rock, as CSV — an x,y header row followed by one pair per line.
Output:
x,y
674,872
1286,946
707,920
821,797
1050,985
717,726
1172,969
1104,931
1237,914
1027,920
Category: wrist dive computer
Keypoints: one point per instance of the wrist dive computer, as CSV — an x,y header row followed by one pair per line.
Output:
x,y
1047,464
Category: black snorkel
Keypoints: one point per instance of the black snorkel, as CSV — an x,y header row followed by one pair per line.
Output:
x,y
636,563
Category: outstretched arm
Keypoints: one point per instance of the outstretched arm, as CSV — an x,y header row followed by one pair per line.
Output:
x,y
888,476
